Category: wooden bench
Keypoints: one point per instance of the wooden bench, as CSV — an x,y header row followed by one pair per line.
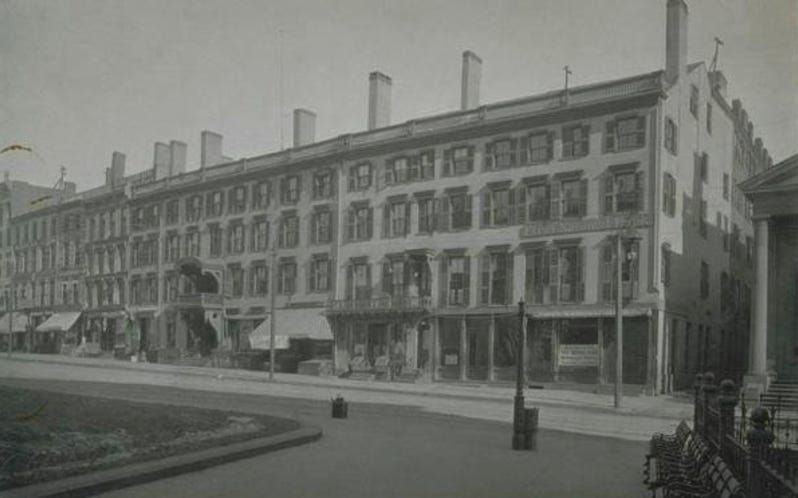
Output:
x,y
665,446
683,467
715,480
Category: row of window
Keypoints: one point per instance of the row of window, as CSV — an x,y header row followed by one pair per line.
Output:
x,y
43,230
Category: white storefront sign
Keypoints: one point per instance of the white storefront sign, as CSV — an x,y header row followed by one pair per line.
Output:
x,y
579,355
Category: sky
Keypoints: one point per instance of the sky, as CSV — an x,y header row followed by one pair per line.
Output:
x,y
80,79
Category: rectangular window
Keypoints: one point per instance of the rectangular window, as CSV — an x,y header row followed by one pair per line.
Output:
x,y
665,270
458,273
726,186
702,220
537,202
261,194
455,212
259,278
289,231
704,280
725,233
623,192
238,199
286,283
359,177
458,160
541,147
575,141
193,244
496,278
625,134
260,235
425,162
193,208
426,215
360,222
215,204
574,198
709,118
536,277
319,274
289,189
396,217
321,227
173,212
235,238
396,171
704,167
497,205
359,281
500,154
322,185
669,195
215,233
671,137
236,280
172,247
694,101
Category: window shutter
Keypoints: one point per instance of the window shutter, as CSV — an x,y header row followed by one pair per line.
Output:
x,y
489,151
641,131
386,277
471,158
580,274
468,208
442,213
407,219
386,220
554,199
511,206
524,152
370,222
520,210
510,278
350,225
640,190
443,284
554,274
350,280
486,206
368,281
609,137
350,180
389,173
466,281
484,279
586,135
583,196
447,162
550,145
513,151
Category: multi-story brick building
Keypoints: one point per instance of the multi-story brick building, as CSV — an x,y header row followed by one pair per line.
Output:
x,y
415,241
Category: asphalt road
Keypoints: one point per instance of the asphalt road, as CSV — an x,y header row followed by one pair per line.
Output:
x,y
387,451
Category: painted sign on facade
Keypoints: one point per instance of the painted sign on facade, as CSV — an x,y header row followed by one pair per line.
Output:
x,y
579,355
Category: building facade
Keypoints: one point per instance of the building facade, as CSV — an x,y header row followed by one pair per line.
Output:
x,y
410,245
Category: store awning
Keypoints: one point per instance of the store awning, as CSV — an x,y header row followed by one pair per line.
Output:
x,y
19,323
583,311
59,322
291,324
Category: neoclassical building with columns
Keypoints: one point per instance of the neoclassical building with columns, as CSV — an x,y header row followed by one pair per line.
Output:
x,y
774,334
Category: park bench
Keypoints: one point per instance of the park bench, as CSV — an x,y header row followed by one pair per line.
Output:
x,y
681,467
665,446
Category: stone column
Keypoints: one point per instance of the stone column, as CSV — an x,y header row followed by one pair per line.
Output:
x,y
758,366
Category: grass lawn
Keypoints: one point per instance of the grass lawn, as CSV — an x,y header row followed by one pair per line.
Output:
x,y
46,435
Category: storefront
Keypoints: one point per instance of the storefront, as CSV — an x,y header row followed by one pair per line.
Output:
x,y
61,331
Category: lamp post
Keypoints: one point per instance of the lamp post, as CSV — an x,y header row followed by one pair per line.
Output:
x,y
630,255
518,406
272,319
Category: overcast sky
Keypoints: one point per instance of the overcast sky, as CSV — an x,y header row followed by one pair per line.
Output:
x,y
80,79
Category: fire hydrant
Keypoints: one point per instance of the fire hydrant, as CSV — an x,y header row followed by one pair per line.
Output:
x,y
339,407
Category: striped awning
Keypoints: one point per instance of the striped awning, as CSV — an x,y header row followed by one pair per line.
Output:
x,y
59,322
291,324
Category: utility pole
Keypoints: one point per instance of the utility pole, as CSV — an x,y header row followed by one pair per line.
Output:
x,y
272,318
519,414
618,322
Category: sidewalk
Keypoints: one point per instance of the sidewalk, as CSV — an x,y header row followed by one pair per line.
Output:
x,y
663,407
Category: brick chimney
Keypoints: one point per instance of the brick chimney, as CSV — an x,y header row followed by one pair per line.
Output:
x,y
379,100
471,78
116,173
304,127
211,149
177,157
676,40
161,160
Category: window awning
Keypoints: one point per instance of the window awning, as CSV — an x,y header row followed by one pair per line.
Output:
x,y
19,323
59,322
291,324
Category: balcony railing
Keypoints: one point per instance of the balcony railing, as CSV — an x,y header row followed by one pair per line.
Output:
x,y
386,303
203,300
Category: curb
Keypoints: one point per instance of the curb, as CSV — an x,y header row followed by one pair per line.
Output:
x,y
231,374
140,473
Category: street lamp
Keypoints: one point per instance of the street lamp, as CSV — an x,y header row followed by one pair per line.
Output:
x,y
629,236
272,319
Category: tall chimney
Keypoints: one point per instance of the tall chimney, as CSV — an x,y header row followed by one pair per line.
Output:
x,y
676,40
177,157
117,168
161,160
379,100
304,127
211,151
469,84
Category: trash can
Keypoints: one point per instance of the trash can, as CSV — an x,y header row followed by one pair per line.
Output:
x,y
531,418
339,407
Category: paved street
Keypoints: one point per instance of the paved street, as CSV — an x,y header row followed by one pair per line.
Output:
x,y
386,450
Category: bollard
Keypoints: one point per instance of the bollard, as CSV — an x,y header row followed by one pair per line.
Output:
x,y
531,418
339,407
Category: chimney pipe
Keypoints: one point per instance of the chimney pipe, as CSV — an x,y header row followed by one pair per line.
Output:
x,y
676,40
161,160
471,77
177,157
211,149
379,100
304,127
117,172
